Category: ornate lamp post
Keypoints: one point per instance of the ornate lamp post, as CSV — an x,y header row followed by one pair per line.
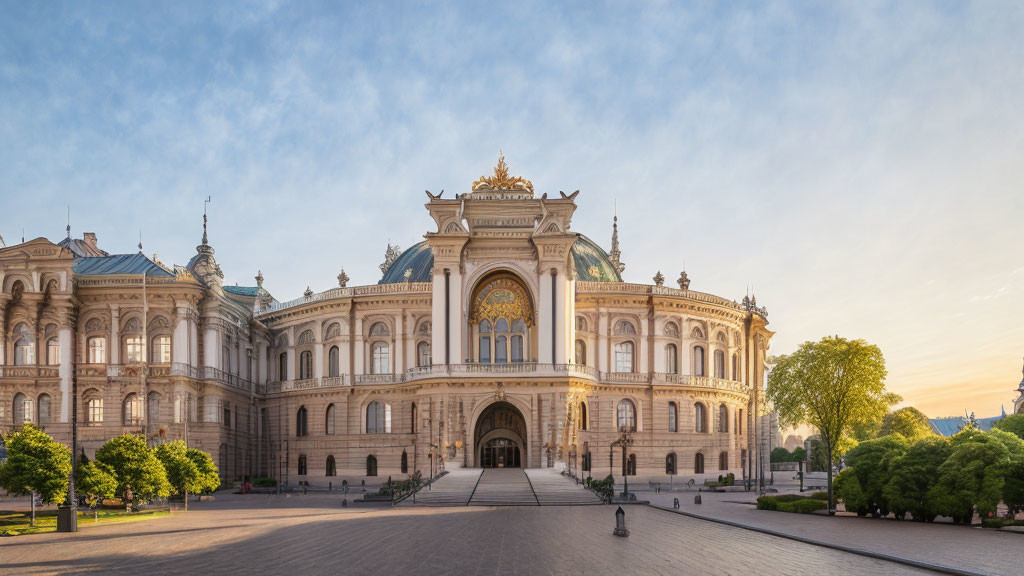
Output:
x,y
625,441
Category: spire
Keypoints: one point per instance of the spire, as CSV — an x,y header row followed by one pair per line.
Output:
x,y
1021,387
259,278
140,240
615,256
69,225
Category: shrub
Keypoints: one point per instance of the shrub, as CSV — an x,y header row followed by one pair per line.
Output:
x,y
819,496
870,462
848,490
263,482
803,506
912,475
767,503
604,488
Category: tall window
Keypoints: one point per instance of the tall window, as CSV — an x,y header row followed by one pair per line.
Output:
x,y
371,465
723,461
518,336
43,413
719,364
94,410
701,414
334,362
626,415
52,352
583,416
132,411
332,468
671,359
624,357
22,409
132,349
378,418
302,422
501,341
381,359
282,366
405,462
698,463
581,324
485,342
735,366
500,316
303,468
630,466
423,354
162,349
581,352
670,463
723,418
24,346
698,361
305,365
329,419
97,350
673,417
739,422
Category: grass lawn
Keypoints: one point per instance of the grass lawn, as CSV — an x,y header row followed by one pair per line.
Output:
x,y
17,523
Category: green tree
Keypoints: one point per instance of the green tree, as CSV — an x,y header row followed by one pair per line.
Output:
x,y
1013,424
870,462
908,422
95,481
780,454
974,476
136,466
831,385
188,469
799,454
209,478
35,464
913,474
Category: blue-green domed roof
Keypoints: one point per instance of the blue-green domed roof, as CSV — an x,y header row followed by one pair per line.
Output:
x,y
591,262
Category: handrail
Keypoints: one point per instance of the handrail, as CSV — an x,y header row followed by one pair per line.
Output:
x,y
348,292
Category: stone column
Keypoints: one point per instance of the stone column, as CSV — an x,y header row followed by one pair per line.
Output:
x,y
437,308
544,319
643,365
64,338
291,354
318,351
602,341
455,345
212,346
180,347
399,346
114,346
261,362
3,326
360,354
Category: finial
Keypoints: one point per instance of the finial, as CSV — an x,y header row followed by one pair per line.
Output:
x,y
659,279
69,223
140,240
684,280
407,274
205,202
259,278
343,278
308,293
615,256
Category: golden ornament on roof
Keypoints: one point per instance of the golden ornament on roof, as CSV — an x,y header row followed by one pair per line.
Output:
x,y
501,180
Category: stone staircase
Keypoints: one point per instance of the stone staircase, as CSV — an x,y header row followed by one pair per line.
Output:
x,y
453,489
504,487
553,489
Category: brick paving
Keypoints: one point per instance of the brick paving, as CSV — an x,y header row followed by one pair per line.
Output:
x,y
311,535
972,549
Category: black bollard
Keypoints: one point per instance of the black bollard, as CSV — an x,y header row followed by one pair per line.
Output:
x,y
675,503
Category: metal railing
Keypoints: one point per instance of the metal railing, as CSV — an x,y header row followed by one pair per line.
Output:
x,y
333,293
210,373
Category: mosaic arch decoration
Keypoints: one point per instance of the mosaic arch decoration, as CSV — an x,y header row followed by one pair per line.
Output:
x,y
502,297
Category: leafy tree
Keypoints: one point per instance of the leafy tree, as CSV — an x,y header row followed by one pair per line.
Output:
x,y
908,422
913,474
209,478
799,454
136,466
870,462
974,476
188,469
95,481
848,489
866,429
780,454
1013,424
831,384
36,463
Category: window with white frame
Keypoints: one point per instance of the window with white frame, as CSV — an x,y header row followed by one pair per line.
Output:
x,y
624,357
378,418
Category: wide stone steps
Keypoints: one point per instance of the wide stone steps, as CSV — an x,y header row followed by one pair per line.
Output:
x,y
553,489
503,487
452,489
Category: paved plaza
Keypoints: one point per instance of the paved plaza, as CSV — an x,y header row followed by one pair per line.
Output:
x,y
312,535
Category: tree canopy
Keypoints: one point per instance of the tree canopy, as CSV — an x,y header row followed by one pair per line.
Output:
x,y
831,385
1013,424
135,465
913,474
95,481
908,422
36,463
188,469
974,477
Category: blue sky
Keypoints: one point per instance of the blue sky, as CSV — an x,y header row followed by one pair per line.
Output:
x,y
859,164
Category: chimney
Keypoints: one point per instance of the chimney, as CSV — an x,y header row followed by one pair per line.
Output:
x,y
90,238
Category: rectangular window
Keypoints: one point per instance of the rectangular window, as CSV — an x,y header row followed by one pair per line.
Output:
x,y
53,352
132,350
485,349
517,348
94,411
97,350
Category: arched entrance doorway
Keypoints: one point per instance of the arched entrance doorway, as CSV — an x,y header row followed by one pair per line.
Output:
x,y
500,437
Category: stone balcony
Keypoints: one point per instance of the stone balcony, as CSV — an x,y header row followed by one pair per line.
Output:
x,y
29,371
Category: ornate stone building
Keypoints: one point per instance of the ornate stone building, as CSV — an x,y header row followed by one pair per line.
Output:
x,y
503,339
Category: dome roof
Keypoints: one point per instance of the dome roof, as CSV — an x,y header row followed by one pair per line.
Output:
x,y
591,262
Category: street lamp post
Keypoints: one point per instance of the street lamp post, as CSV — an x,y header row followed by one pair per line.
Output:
x,y
67,515
625,441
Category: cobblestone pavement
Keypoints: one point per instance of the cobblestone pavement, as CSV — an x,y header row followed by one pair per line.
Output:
x,y
973,549
232,537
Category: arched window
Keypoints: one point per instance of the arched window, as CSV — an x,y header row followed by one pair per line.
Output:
x,y
723,418
501,341
24,346
485,342
305,365
670,463
583,416
723,461
581,352
719,364
672,330
697,333
698,463
93,408
381,362
282,366
673,417
97,350
131,411
626,415
162,349
412,421
329,419
43,413
701,417
371,465
518,336
302,422
630,466
22,409
331,468
671,359
624,357
405,462
334,362
378,418
581,324
423,354
735,366
303,469
698,361
52,352
624,328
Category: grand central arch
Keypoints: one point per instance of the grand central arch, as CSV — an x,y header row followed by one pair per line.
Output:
x,y
500,437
